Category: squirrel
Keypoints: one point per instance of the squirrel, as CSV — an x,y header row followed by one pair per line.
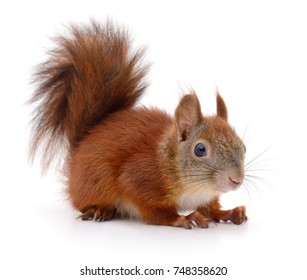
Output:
x,y
125,160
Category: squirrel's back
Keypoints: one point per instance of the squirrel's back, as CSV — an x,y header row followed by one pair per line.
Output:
x,y
90,73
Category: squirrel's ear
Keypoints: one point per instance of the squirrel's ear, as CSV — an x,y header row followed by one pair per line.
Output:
x,y
221,107
188,115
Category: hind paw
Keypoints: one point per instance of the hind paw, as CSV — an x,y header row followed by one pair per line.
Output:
x,y
98,213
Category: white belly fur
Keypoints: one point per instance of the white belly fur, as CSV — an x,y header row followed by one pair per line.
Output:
x,y
127,210
194,197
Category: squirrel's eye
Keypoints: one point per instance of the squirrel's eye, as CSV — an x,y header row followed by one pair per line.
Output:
x,y
200,150
244,149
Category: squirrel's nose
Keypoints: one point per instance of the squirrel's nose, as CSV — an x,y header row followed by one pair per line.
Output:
x,y
236,180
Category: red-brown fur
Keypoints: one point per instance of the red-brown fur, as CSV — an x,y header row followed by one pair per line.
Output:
x,y
125,160
117,165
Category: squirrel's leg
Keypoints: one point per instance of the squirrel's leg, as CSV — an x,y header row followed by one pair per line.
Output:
x,y
169,216
98,213
213,211
236,216
164,216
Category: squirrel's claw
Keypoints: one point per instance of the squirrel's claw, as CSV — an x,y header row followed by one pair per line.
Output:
x,y
98,214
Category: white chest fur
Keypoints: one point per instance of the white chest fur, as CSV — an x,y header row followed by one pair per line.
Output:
x,y
195,196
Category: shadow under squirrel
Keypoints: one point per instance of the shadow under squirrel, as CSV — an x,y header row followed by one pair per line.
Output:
x,y
128,161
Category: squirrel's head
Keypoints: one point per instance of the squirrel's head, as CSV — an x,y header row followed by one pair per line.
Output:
x,y
210,153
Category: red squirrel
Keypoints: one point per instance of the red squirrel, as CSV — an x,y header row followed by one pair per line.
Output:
x,y
125,160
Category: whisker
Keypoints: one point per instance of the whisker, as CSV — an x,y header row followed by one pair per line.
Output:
x,y
255,177
261,169
193,177
249,182
198,184
259,155
247,126
263,181
213,168
245,185
198,176
262,161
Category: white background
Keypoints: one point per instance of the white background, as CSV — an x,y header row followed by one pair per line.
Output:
x,y
255,52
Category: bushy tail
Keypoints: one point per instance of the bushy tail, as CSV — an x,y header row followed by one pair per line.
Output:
x,y
89,74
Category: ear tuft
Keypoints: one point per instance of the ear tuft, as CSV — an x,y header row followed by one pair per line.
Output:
x,y
188,115
221,108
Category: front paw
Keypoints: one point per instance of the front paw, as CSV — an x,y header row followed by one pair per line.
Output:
x,y
238,215
181,221
189,221
198,219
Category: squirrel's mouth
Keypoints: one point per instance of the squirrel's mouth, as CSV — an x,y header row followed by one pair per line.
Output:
x,y
231,183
